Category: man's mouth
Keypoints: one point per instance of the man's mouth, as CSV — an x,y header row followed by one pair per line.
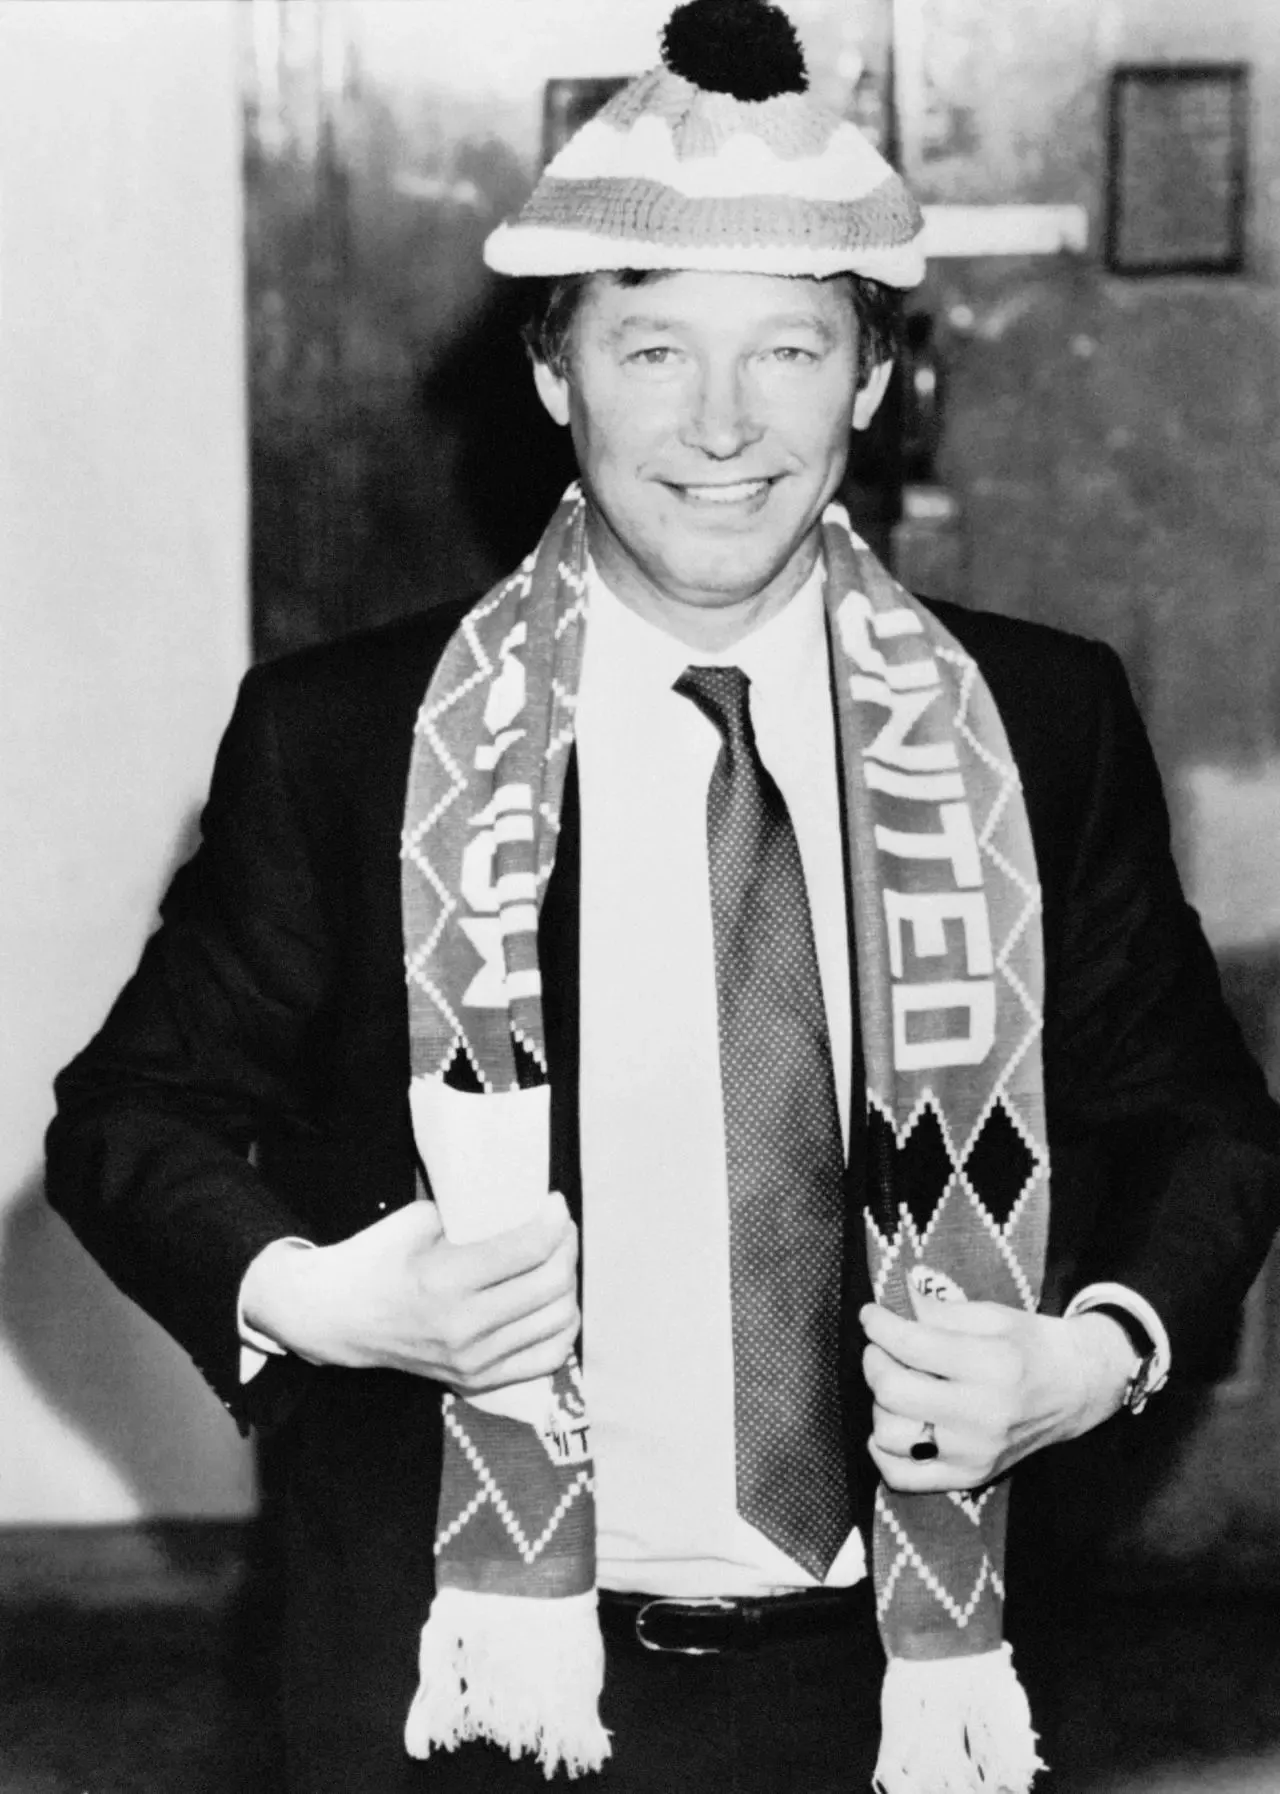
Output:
x,y
737,492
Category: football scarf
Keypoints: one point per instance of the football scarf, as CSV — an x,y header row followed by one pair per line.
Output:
x,y
946,910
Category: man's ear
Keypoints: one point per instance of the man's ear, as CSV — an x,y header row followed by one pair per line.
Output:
x,y
867,399
553,390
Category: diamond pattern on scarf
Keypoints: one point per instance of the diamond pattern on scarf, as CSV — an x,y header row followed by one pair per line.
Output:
x,y
999,1165
782,1135
924,1169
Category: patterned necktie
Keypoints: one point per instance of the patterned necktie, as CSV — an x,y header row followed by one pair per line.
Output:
x,y
782,1137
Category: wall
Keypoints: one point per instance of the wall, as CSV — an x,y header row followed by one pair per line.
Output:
x,y
123,630
1114,441
1114,445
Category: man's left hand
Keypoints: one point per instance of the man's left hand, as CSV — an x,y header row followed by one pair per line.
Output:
x,y
995,1383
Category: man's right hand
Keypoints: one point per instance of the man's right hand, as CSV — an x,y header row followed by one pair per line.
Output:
x,y
398,1296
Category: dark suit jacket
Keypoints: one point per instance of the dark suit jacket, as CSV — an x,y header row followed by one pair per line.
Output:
x,y
269,1013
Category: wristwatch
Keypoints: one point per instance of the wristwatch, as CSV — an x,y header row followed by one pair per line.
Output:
x,y
1144,1382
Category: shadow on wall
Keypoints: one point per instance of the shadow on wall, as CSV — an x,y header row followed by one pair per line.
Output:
x,y
106,1372
1251,983
103,1368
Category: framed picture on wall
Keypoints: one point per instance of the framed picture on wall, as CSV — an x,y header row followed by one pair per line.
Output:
x,y
569,103
1177,168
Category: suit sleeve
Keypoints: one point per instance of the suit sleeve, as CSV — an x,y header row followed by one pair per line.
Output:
x,y
150,1152
1155,1064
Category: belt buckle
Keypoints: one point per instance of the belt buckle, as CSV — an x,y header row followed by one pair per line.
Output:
x,y
718,1603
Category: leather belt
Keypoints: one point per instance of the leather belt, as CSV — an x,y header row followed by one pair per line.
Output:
x,y
720,1624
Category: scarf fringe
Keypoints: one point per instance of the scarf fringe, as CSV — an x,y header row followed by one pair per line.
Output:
x,y
955,1725
523,1674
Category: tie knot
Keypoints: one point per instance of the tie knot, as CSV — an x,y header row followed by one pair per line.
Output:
x,y
721,695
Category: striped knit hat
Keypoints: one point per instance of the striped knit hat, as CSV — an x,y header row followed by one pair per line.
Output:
x,y
719,160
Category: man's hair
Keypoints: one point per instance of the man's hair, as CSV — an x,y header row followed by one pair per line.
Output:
x,y
552,302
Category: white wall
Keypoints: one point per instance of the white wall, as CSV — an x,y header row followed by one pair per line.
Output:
x,y
123,631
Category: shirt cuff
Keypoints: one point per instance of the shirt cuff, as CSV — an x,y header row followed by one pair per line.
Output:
x,y
256,1347
1119,1295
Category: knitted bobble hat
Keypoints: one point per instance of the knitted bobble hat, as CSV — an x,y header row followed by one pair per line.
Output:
x,y
718,160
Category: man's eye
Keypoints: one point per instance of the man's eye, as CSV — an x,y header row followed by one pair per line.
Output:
x,y
793,354
655,357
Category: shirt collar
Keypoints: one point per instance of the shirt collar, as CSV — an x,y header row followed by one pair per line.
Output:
x,y
641,657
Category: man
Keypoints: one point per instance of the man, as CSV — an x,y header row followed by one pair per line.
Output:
x,y
797,936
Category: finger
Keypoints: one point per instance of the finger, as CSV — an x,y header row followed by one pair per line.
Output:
x,y
911,1343
897,1436
937,1476
942,1476
880,1372
912,1478
897,1388
558,1320
500,1304
540,1360
915,1397
906,1393
975,1320
933,1350
929,1310
484,1264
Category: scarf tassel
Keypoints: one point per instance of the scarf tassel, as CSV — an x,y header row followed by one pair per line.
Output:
x,y
524,1674
955,1725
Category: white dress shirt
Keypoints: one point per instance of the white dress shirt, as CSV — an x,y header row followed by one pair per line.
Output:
x,y
657,1322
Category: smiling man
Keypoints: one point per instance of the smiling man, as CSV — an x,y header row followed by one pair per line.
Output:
x,y
710,415
811,952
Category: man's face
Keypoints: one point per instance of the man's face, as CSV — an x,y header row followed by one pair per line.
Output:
x,y
710,415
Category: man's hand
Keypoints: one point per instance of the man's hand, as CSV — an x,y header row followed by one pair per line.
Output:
x,y
398,1296
996,1383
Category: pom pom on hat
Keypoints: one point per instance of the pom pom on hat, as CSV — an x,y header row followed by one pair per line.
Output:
x,y
718,160
747,48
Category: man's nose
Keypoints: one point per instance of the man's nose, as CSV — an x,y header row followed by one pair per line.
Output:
x,y
722,420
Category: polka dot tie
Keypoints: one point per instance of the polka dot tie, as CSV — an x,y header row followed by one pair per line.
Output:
x,y
782,1134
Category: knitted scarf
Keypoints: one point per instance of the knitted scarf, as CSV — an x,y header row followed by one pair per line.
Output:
x,y
947,940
